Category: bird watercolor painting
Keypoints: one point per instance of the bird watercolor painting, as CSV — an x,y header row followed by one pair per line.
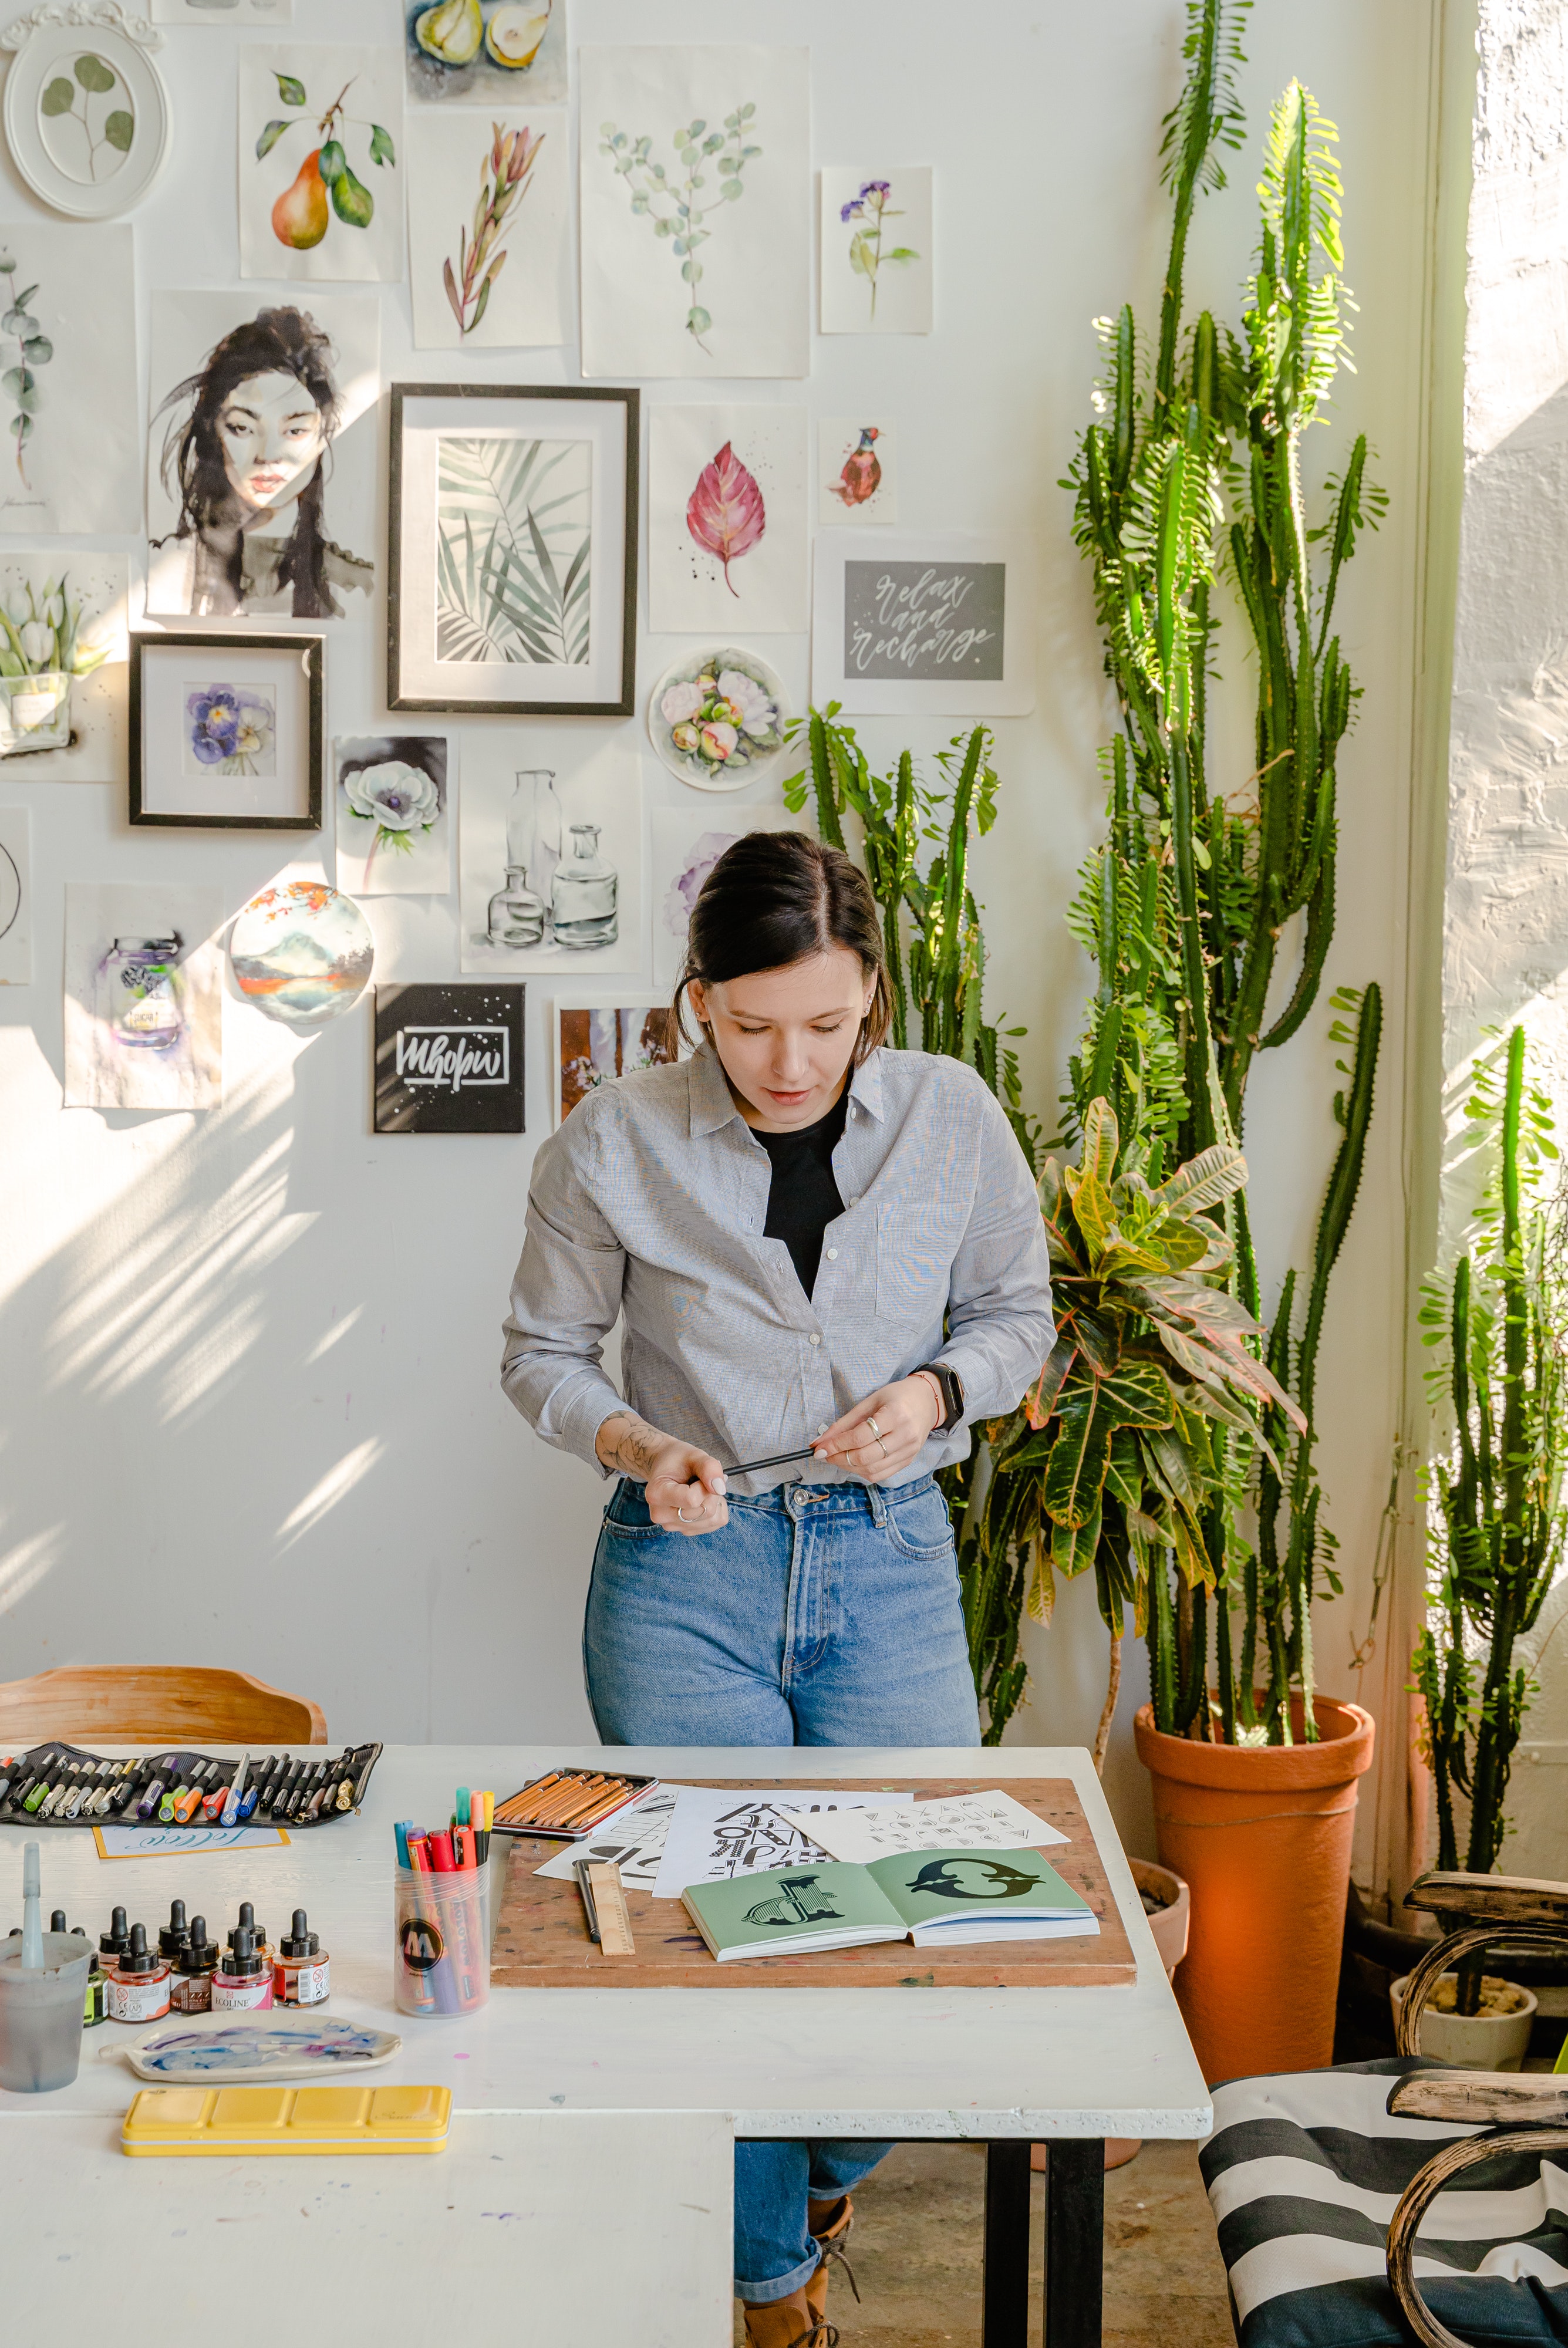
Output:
x,y
855,470
860,477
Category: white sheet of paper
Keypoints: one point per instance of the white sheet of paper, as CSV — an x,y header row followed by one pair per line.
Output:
x,y
633,1840
118,938
74,471
16,897
184,1842
450,154
354,98
876,251
721,1831
752,505
988,1821
745,308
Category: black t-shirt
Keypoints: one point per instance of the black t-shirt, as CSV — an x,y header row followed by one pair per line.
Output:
x,y
803,1197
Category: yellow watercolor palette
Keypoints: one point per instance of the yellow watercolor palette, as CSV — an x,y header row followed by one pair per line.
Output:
x,y
238,2123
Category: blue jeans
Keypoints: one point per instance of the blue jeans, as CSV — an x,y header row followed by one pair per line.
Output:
x,y
820,1615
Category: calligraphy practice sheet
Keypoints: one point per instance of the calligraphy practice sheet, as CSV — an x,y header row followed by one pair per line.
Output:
x,y
989,1821
720,1831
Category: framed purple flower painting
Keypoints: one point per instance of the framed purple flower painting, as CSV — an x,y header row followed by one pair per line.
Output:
x,y
226,732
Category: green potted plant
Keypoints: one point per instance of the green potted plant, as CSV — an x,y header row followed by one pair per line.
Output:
x,y
44,646
1497,1325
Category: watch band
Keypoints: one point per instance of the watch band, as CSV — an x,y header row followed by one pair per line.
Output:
x,y
952,1389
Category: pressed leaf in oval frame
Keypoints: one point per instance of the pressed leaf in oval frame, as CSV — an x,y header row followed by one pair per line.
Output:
x,y
725,512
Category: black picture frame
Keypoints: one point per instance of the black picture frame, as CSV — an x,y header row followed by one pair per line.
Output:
x,y
171,640
624,702
449,1057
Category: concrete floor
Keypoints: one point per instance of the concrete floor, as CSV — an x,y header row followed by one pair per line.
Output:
x,y
917,2243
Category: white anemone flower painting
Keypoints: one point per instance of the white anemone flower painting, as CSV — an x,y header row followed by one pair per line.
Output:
x,y
394,834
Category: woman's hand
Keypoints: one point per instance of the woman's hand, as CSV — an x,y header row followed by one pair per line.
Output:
x,y
685,1487
884,1433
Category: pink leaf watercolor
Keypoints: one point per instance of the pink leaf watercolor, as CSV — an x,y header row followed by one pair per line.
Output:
x,y
725,512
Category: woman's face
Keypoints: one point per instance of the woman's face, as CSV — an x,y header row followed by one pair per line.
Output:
x,y
272,435
785,1037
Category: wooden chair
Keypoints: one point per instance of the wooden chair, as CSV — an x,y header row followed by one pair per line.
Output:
x,y
153,1704
1327,2187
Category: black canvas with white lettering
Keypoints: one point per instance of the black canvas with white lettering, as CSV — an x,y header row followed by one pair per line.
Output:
x,y
449,1059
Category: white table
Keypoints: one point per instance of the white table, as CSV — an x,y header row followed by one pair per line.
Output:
x,y
1009,2067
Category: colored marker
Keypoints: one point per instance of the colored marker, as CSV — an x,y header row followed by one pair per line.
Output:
x,y
236,1791
188,1803
249,1804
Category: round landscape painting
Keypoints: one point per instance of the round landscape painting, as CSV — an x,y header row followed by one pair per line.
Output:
x,y
301,953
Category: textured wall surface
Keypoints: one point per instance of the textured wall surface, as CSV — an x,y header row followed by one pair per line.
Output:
x,y
1506,913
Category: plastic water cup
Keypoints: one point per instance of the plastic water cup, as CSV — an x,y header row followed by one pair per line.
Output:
x,y
440,1958
41,2013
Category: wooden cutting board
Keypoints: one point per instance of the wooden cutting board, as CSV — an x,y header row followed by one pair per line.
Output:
x,y
541,1939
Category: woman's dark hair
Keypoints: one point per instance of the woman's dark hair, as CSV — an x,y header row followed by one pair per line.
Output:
x,y
275,342
779,897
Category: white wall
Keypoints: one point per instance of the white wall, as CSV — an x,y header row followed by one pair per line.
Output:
x,y
251,1407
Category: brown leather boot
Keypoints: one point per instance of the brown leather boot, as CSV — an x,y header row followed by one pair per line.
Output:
x,y
787,2323
828,2223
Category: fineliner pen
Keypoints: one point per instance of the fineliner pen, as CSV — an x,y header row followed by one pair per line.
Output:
x,y
236,1791
189,1802
312,1809
213,1803
38,1798
53,1798
71,1807
20,1789
101,1801
249,1804
171,1794
288,1789
151,1799
120,1796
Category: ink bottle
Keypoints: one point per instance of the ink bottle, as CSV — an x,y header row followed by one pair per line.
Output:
x,y
301,1971
138,1991
95,2000
140,990
243,1981
191,1991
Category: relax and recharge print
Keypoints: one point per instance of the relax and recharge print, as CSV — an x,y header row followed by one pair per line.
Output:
x,y
924,620
513,533
394,827
259,498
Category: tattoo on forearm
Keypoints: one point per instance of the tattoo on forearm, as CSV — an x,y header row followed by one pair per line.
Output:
x,y
633,1443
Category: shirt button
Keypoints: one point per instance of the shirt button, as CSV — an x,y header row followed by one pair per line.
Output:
x,y
815,1339
832,1255
821,1430
855,1202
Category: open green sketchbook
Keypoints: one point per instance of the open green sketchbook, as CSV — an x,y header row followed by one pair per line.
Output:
x,y
924,1896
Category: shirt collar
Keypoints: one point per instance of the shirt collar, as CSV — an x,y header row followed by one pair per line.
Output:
x,y
713,1104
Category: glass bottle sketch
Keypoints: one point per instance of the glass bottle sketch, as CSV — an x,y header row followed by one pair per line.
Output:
x,y
534,828
140,991
516,912
583,897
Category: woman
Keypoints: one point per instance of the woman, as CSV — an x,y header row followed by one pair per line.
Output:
x,y
248,465
817,1246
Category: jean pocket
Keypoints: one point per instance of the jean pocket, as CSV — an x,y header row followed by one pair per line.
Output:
x,y
915,1247
919,1526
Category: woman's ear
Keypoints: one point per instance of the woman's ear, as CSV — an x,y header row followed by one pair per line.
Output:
x,y
697,995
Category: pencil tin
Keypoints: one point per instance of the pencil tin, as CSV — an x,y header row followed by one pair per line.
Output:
x,y
441,1937
630,1788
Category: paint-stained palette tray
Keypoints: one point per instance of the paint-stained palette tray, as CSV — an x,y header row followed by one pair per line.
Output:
x,y
99,1789
541,1939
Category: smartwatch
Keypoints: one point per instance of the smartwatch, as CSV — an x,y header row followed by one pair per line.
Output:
x,y
951,1386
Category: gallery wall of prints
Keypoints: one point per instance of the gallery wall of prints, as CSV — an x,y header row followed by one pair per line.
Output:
x,y
248,1397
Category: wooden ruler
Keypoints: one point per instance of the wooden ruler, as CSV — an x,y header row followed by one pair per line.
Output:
x,y
610,1908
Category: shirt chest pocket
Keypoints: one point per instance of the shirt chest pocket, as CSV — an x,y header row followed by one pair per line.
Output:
x,y
915,1247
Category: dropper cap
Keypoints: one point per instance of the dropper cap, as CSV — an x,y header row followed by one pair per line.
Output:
x,y
113,1942
301,1942
138,1957
58,1920
199,1954
247,1922
176,1932
243,1956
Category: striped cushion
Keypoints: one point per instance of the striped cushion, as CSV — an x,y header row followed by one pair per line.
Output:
x,y
1304,2170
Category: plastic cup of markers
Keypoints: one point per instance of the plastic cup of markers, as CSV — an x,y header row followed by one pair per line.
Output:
x,y
441,1950
41,2013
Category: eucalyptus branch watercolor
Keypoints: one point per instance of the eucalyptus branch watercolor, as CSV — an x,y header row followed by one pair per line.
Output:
x,y
673,203
301,217
20,382
92,78
866,214
505,177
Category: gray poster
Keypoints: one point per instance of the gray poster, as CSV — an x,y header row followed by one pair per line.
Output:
x,y
925,622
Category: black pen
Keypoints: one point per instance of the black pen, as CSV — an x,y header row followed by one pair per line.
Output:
x,y
780,1460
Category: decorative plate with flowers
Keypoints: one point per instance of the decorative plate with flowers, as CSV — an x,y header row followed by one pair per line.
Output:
x,y
717,718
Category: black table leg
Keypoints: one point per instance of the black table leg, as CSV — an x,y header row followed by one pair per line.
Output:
x,y
1005,2320
1074,2241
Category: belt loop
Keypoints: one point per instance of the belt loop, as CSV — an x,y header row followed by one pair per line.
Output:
x,y
877,1505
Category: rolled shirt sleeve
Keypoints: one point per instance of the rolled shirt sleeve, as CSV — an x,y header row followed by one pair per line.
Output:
x,y
565,1300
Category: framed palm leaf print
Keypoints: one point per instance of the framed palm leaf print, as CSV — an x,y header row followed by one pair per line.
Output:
x,y
512,564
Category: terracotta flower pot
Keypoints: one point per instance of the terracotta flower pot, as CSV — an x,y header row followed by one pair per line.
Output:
x,y
1261,1835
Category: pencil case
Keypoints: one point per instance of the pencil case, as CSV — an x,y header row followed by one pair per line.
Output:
x,y
236,2123
564,1830
99,1778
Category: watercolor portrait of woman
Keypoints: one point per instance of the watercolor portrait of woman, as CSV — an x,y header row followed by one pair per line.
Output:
x,y
247,456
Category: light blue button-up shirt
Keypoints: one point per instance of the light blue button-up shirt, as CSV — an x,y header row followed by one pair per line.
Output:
x,y
650,1202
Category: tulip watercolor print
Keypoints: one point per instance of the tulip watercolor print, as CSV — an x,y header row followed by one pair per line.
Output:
x,y
857,472
394,815
230,730
67,612
876,236
321,179
694,178
489,253
727,519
